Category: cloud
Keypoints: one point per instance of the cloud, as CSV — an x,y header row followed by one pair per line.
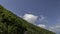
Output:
x,y
55,28
43,19
41,25
30,18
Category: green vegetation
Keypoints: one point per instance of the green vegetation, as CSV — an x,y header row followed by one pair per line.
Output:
x,y
12,24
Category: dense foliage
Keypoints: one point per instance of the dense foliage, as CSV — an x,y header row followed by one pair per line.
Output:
x,y
12,24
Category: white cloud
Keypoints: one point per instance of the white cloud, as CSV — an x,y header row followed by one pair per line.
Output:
x,y
43,19
41,25
55,28
30,18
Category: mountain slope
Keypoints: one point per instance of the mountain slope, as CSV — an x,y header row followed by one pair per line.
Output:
x,y
12,24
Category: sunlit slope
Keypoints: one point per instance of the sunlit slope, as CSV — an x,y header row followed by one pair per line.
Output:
x,y
12,24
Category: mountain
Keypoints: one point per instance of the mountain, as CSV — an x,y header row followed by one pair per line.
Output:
x,y
12,24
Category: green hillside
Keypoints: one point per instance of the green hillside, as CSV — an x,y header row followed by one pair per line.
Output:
x,y
12,24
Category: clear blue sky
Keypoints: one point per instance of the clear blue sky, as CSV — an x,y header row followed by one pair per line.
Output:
x,y
48,8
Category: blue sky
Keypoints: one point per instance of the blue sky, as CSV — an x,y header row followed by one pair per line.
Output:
x,y
48,9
